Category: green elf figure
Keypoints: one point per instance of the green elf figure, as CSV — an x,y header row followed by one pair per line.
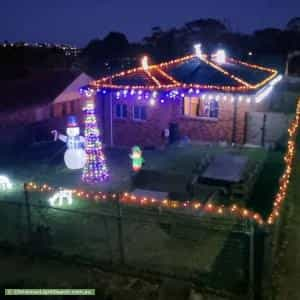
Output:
x,y
137,159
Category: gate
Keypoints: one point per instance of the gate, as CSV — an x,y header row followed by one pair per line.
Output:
x,y
265,128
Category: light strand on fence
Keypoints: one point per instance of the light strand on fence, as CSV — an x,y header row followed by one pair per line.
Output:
x,y
129,198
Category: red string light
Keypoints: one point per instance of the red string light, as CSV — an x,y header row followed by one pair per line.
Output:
x,y
106,82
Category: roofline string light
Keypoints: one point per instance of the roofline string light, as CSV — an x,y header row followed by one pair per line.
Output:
x,y
106,82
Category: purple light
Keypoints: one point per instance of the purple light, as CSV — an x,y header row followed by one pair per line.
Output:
x,y
162,101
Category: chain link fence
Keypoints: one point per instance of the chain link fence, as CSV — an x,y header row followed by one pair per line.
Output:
x,y
215,252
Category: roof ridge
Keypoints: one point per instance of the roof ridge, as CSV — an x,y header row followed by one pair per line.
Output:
x,y
225,72
161,68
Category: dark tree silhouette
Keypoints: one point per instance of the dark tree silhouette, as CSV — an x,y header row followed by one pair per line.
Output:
x,y
293,24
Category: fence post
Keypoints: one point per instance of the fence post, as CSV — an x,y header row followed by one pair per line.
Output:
x,y
263,130
267,263
120,231
108,240
251,261
28,212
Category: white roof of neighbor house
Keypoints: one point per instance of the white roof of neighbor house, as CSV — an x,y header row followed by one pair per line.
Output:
x,y
71,92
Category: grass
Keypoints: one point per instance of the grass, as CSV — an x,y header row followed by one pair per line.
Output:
x,y
287,271
160,242
267,184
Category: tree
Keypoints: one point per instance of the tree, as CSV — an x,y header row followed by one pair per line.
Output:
x,y
206,31
95,169
267,40
294,24
115,44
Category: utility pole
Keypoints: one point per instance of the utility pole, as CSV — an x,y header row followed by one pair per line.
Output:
x,y
28,212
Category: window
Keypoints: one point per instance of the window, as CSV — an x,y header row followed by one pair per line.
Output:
x,y
65,108
73,107
200,108
139,112
121,111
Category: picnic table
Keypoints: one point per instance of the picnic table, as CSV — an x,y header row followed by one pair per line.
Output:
x,y
226,167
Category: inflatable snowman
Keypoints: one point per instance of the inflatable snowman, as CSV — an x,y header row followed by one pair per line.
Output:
x,y
75,154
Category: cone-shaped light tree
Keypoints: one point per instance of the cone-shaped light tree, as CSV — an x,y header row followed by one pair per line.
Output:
x,y
95,169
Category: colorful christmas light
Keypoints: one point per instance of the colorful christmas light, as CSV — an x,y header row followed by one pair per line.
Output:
x,y
106,82
95,169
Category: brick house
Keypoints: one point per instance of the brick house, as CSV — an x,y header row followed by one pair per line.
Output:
x,y
30,100
204,97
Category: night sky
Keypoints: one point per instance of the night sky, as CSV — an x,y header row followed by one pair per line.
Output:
x,y
78,21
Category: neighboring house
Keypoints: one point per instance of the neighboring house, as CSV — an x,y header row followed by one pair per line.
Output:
x,y
199,96
48,95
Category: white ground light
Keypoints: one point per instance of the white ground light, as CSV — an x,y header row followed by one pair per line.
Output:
x,y
5,183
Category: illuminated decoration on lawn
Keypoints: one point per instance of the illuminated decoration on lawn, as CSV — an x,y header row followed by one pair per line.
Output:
x,y
137,158
209,208
75,155
5,183
95,169
61,197
220,57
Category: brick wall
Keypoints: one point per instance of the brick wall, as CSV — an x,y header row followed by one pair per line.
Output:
x,y
128,132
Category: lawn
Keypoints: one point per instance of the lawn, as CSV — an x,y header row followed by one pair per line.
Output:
x,y
154,240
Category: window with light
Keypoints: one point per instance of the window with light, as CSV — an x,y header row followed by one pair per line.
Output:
x,y
196,107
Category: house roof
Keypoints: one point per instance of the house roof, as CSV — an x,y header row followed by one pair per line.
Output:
x,y
39,89
191,72
71,90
